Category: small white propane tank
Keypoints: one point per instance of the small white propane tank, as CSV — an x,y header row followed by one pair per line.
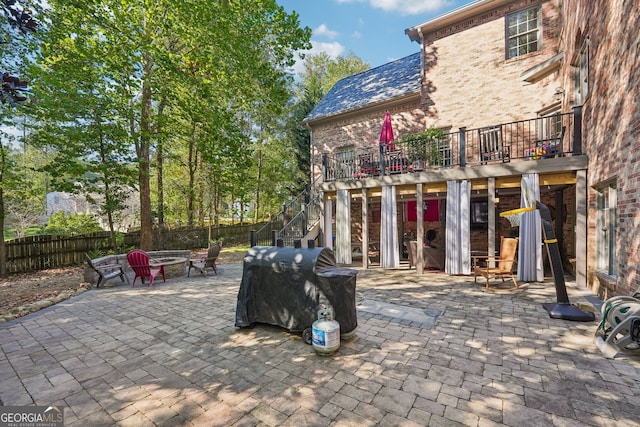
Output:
x,y
325,333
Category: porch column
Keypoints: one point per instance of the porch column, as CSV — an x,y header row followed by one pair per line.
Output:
x,y
365,229
328,227
389,256
581,227
491,203
458,239
419,229
343,227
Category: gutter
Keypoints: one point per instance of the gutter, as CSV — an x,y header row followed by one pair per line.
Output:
x,y
452,17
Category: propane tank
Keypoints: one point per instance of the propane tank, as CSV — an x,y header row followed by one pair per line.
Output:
x,y
325,333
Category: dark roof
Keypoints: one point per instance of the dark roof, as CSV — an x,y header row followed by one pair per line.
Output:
x,y
386,82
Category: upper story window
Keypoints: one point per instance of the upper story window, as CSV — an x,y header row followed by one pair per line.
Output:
x,y
581,73
523,32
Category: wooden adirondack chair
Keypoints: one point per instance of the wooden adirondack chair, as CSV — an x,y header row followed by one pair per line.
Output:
x,y
106,271
139,263
206,261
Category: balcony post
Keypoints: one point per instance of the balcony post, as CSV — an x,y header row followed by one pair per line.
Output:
x,y
305,217
324,167
462,146
381,148
577,130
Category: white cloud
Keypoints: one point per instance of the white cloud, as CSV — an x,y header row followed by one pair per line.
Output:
x,y
323,30
356,35
405,7
333,50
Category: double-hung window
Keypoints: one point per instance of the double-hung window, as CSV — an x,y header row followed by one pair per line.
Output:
x,y
524,32
581,73
606,201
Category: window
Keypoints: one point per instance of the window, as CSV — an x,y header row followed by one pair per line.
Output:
x,y
523,32
581,73
479,215
549,126
606,200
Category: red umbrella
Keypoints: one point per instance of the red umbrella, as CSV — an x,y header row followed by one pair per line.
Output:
x,y
386,135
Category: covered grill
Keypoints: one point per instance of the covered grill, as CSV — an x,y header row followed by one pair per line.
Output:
x,y
284,286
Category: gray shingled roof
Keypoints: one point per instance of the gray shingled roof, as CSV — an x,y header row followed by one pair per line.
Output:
x,y
386,82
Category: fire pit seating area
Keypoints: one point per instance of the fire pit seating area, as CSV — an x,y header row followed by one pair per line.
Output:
x,y
175,263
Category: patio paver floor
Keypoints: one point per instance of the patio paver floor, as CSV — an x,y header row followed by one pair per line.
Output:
x,y
456,355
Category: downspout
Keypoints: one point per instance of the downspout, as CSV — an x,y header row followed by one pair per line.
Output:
x,y
311,154
312,166
422,72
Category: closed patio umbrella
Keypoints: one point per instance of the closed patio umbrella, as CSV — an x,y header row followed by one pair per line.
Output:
x,y
386,134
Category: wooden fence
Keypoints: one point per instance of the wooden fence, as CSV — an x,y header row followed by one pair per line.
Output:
x,y
43,252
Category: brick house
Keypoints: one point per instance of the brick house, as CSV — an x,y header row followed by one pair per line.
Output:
x,y
517,87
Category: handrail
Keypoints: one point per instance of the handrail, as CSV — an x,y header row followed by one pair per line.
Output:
x,y
295,219
555,135
303,222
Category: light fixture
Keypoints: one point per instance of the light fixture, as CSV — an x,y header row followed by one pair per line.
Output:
x,y
557,95
425,205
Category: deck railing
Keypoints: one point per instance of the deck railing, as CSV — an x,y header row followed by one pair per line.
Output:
x,y
556,135
293,222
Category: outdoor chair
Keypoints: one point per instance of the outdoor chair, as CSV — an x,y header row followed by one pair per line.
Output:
x,y
497,266
107,271
206,260
433,258
492,145
140,264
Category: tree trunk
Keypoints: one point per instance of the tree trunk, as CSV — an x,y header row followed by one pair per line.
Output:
x,y
259,178
193,167
146,220
3,246
160,160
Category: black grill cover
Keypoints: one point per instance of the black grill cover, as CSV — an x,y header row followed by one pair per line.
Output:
x,y
284,286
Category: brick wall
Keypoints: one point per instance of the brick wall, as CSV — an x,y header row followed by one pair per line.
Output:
x,y
469,82
611,124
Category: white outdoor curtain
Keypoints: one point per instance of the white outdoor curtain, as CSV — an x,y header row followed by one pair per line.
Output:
x,y
343,227
530,243
328,224
389,256
458,245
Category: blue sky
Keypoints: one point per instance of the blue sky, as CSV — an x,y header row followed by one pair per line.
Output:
x,y
372,29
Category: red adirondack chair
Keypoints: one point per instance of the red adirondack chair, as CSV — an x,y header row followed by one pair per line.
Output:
x,y
139,262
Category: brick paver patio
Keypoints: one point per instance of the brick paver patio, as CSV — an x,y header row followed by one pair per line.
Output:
x,y
429,350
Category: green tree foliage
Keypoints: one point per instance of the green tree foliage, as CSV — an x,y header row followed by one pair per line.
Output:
x,y
15,24
320,74
71,225
165,80
324,72
25,196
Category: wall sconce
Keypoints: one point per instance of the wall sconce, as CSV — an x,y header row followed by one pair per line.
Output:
x,y
557,95
425,205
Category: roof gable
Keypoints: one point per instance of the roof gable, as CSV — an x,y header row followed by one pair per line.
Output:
x,y
386,82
